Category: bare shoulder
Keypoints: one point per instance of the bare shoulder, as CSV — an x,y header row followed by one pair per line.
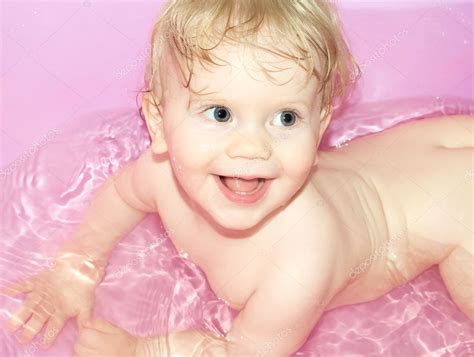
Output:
x,y
357,226
137,182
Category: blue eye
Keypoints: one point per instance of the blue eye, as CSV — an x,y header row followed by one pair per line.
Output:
x,y
287,117
221,114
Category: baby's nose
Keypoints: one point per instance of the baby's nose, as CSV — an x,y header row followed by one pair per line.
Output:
x,y
249,146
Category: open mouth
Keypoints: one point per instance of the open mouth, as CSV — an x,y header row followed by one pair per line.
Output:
x,y
242,186
240,190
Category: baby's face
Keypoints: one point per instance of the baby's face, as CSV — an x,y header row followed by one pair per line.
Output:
x,y
243,124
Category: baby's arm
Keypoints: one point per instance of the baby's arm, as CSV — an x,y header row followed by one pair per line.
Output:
x,y
275,321
121,203
280,314
67,288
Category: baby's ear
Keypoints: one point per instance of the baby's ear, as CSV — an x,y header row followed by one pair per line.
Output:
x,y
325,119
326,115
154,122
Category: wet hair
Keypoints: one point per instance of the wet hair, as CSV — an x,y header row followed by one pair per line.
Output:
x,y
306,31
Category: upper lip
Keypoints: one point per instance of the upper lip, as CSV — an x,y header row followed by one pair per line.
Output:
x,y
248,177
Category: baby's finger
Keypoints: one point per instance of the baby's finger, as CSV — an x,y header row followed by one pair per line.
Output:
x,y
83,318
34,324
14,289
55,324
24,312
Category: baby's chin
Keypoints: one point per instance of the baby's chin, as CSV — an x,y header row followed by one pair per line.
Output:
x,y
239,222
236,223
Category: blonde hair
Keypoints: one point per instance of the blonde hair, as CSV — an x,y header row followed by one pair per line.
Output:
x,y
306,31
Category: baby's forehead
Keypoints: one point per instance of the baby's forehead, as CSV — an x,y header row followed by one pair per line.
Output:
x,y
237,62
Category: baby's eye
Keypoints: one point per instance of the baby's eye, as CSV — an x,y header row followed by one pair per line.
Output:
x,y
221,114
287,117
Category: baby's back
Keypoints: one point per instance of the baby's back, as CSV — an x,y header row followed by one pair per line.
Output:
x,y
420,172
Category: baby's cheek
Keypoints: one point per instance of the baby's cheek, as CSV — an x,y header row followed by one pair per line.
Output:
x,y
298,161
191,155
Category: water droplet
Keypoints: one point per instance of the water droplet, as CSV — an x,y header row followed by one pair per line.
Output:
x,y
183,254
223,300
392,256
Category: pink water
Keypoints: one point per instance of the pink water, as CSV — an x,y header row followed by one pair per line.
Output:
x,y
149,288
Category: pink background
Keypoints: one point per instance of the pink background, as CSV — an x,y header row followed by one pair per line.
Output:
x,y
75,67
62,59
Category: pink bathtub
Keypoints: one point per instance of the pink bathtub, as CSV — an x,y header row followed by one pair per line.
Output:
x,y
69,77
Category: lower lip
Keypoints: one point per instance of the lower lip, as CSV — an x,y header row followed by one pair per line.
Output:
x,y
241,198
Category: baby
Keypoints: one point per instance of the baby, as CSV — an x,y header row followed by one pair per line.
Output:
x,y
282,231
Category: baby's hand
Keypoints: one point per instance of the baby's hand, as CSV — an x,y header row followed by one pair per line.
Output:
x,y
101,338
54,295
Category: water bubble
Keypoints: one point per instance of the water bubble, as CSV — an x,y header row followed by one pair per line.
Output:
x,y
183,254
223,300
392,256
